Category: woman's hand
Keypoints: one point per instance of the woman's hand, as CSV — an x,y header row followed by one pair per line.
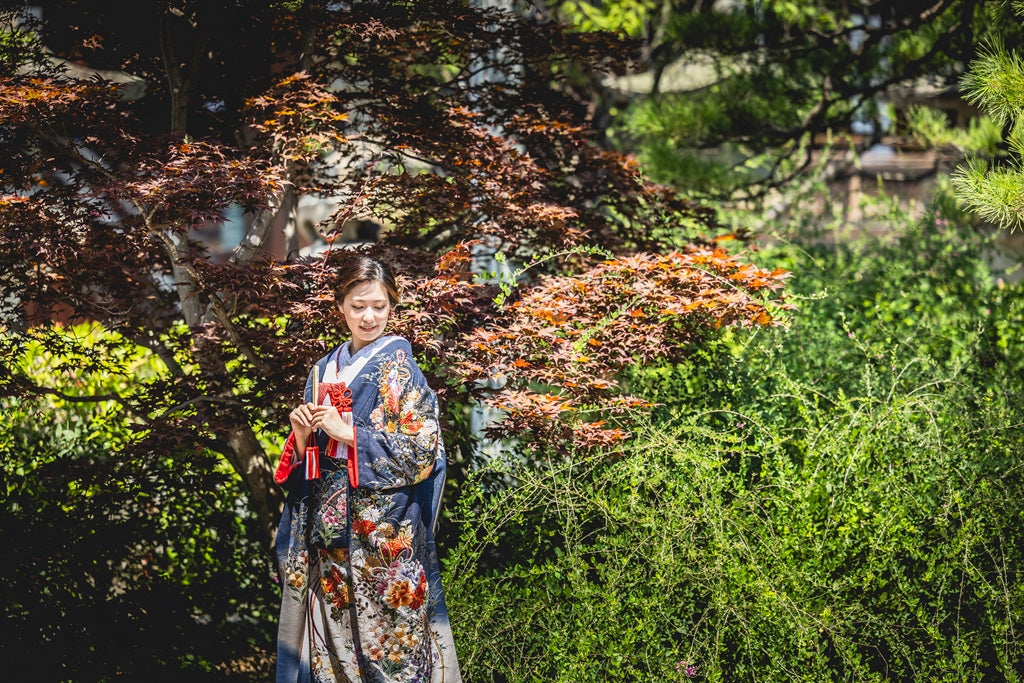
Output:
x,y
328,419
302,425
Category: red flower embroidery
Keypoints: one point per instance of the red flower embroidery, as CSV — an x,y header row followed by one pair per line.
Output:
x,y
419,593
409,424
393,547
363,527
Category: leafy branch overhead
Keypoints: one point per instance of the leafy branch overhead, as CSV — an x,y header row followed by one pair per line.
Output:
x,y
736,100
461,128
557,350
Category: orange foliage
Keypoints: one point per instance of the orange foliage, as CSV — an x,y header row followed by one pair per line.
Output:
x,y
634,309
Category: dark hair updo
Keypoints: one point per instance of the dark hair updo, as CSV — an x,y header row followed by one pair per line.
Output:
x,y
359,269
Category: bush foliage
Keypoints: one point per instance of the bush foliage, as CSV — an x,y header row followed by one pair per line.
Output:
x,y
124,566
839,501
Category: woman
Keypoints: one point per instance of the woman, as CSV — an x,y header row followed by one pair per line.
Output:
x,y
364,468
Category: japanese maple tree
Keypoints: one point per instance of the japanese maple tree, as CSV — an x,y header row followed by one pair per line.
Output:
x,y
455,124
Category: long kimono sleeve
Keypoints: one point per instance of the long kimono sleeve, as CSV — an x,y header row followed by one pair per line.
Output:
x,y
399,442
290,460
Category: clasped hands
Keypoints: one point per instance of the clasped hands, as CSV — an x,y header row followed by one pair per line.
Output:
x,y
308,417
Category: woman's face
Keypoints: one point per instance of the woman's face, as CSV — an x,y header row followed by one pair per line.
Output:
x,y
366,309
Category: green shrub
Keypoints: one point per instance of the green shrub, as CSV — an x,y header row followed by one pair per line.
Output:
x,y
891,553
121,566
842,500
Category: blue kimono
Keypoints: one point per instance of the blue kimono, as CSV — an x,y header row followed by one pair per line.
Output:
x,y
362,598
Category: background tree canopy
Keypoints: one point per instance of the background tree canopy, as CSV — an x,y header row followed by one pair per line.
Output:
x,y
743,93
677,487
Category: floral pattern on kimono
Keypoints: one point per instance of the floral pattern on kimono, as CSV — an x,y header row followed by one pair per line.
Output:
x,y
362,598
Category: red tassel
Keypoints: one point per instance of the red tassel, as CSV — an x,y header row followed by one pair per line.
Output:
x,y
312,462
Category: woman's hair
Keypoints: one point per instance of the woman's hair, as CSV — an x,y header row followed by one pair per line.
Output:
x,y
359,269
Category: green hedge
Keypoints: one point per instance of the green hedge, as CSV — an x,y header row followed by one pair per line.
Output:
x,y
842,500
121,566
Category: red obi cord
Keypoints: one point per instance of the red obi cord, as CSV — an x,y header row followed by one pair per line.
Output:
x,y
312,462
341,399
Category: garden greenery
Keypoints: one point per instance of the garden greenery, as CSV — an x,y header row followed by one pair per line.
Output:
x,y
839,501
122,565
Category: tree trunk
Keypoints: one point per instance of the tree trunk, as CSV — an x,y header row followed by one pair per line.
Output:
x,y
257,471
241,447
180,77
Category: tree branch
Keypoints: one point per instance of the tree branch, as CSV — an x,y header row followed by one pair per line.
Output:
x,y
179,84
32,388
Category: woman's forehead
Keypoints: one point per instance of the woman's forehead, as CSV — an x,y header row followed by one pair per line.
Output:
x,y
367,291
